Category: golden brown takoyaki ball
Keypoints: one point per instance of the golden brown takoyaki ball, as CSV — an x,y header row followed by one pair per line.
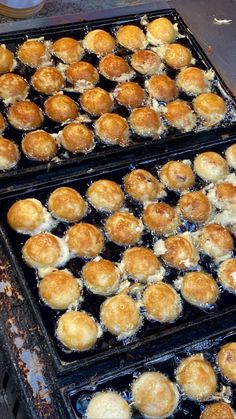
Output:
x,y
2,123
82,73
129,94
96,101
161,30
131,37
197,377
108,404
67,204
177,56
227,274
162,303
61,108
101,276
160,218
44,250
211,107
177,175
33,53
146,62
59,289
7,61
225,193
9,154
85,240
142,186
26,215
25,115
193,81
47,80
180,253
13,87
68,50
199,289
210,166
226,361
145,122
230,155
39,145
115,68
162,87
141,264
218,410
195,206
180,115
113,129
105,195
123,228
99,42
77,330
77,138
120,315
154,395
215,240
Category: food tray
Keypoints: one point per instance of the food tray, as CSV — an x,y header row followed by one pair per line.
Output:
x,y
78,30
107,345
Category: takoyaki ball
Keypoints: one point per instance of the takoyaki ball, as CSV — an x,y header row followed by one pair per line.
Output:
x,y
13,87
195,207
123,228
120,316
2,123
44,250
215,240
145,122
108,404
162,87
61,108
101,276
26,215
39,145
146,62
219,410
82,74
67,204
112,129
227,274
59,289
96,101
177,56
25,115
77,138
162,303
197,377
47,80
115,68
142,186
84,240
68,50
225,194
226,361
199,289
105,195
210,166
161,218
129,94
180,253
9,154
230,155
161,30
141,264
33,53
99,42
154,395
211,107
193,81
177,175
180,115
7,60
77,330
131,37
